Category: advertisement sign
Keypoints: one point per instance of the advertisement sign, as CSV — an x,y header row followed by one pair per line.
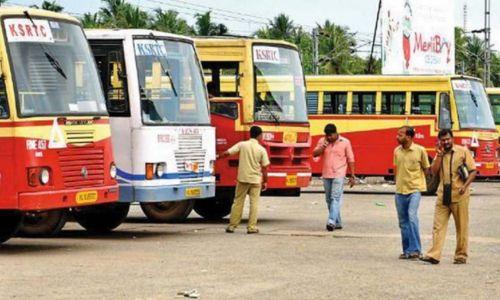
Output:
x,y
418,37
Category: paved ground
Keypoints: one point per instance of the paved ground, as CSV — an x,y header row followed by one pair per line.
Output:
x,y
293,258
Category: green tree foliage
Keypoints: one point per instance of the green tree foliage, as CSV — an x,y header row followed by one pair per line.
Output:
x,y
169,21
205,27
52,5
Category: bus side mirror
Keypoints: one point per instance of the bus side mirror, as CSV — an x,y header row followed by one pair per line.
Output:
x,y
445,111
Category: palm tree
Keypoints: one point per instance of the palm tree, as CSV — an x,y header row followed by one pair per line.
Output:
x,y
112,11
281,27
134,17
52,6
90,20
205,27
169,21
336,47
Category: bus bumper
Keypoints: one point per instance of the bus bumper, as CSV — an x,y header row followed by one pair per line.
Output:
x,y
181,192
283,180
47,200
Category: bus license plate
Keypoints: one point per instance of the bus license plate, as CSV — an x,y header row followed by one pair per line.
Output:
x,y
193,192
86,197
490,165
291,180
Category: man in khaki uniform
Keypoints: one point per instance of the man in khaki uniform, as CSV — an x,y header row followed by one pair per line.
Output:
x,y
411,162
447,162
252,177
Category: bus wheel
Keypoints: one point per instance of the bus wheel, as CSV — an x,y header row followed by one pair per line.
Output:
x,y
10,222
43,223
214,208
167,211
432,184
101,218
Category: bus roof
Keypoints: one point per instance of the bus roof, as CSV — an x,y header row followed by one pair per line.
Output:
x,y
34,12
128,33
228,41
384,78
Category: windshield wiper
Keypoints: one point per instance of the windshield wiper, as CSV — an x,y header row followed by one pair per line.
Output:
x,y
53,62
473,97
165,71
276,119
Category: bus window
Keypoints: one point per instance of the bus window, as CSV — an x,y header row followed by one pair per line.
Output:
x,y
110,62
495,105
444,111
4,104
423,103
393,103
312,103
225,109
363,103
221,78
334,103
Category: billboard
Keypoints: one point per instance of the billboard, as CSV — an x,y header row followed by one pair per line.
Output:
x,y
418,37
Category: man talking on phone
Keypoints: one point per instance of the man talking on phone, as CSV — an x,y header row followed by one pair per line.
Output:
x,y
337,155
456,170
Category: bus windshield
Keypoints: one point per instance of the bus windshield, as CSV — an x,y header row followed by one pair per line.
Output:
x,y
279,85
53,70
472,104
170,81
495,105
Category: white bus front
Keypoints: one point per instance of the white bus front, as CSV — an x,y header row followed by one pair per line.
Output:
x,y
164,144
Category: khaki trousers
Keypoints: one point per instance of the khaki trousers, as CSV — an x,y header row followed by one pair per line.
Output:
x,y
242,190
460,212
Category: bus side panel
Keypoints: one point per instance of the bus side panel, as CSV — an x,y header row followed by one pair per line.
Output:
x,y
122,145
8,176
226,169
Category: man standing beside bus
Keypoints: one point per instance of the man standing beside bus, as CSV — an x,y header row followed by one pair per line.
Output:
x,y
456,169
252,178
411,162
337,155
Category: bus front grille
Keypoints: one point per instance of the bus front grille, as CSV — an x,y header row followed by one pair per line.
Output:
x,y
82,167
79,137
190,153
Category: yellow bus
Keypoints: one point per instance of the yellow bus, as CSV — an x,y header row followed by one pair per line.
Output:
x,y
494,95
368,110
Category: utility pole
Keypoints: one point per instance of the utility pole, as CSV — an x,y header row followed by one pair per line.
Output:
x,y
370,60
487,43
315,35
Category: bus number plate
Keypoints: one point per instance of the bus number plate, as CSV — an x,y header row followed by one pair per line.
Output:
x,y
86,197
490,165
193,192
291,180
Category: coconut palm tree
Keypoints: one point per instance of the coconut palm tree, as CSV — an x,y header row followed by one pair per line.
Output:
x,y
205,27
91,20
169,21
52,6
336,47
282,27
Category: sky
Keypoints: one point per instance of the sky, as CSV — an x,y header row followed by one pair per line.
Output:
x,y
245,17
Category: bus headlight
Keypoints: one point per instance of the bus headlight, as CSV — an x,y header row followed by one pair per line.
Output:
x,y
160,169
44,176
112,170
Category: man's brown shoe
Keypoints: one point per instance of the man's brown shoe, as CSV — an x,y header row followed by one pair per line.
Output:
x,y
229,230
251,231
430,260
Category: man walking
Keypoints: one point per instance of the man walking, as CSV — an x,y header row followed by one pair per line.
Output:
x,y
456,169
411,162
252,178
337,155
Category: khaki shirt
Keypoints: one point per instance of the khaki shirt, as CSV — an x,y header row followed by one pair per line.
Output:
x,y
461,155
252,157
410,165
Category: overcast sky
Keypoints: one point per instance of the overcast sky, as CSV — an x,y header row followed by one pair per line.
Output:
x,y
358,15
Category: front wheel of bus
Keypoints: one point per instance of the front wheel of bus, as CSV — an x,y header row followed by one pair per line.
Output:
x,y
10,222
101,218
214,208
43,223
167,211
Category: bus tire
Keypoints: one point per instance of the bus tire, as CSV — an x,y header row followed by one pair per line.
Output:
x,y
101,218
10,222
43,223
432,184
167,211
214,208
